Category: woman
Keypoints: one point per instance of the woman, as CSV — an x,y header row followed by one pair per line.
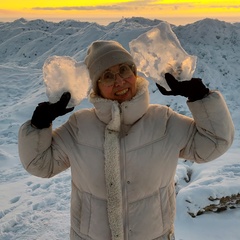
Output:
x,y
124,152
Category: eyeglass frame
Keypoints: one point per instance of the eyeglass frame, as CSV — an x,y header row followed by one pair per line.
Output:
x,y
132,67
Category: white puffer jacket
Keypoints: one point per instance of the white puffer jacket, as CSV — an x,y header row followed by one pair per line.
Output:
x,y
123,159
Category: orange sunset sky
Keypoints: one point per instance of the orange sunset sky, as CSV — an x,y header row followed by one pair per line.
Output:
x,y
105,11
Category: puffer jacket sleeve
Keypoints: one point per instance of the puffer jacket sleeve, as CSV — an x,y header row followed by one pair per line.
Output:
x,y
39,153
213,129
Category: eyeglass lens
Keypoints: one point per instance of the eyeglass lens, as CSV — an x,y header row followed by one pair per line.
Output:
x,y
109,77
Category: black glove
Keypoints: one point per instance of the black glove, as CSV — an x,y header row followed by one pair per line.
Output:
x,y
193,89
46,112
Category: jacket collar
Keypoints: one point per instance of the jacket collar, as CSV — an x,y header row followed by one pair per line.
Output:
x,y
130,111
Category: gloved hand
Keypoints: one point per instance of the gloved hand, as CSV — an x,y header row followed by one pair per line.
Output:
x,y
193,89
46,112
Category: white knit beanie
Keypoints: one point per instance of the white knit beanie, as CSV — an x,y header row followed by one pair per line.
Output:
x,y
102,55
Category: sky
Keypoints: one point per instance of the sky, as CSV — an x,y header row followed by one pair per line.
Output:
x,y
105,11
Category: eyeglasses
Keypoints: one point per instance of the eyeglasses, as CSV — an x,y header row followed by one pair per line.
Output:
x,y
108,77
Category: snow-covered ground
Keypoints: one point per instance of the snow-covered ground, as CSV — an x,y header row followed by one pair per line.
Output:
x,y
208,195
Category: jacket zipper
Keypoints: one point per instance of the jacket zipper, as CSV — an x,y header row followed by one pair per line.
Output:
x,y
124,191
124,185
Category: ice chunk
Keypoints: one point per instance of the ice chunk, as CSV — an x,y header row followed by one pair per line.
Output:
x,y
159,51
63,73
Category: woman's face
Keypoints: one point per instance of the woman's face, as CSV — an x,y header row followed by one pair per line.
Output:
x,y
118,83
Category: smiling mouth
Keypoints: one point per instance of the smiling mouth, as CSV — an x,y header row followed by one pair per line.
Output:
x,y
122,92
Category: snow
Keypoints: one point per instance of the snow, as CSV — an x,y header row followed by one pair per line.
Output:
x,y
35,208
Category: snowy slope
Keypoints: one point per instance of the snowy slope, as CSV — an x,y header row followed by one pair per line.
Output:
x,y
34,208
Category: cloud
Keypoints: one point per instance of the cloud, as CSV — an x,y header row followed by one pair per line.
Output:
x,y
7,12
225,6
138,5
81,8
4,11
119,6
123,6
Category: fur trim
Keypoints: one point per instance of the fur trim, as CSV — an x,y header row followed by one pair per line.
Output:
x,y
113,175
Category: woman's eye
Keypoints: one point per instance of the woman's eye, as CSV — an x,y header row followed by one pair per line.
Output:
x,y
123,69
108,75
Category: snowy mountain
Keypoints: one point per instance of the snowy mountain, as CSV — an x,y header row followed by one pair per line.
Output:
x,y
28,204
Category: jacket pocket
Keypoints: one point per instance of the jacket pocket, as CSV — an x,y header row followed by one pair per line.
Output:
x,y
145,218
167,201
94,218
76,209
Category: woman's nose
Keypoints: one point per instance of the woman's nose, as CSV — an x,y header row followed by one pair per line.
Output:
x,y
119,80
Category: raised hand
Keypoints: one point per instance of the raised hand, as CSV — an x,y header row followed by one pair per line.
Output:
x,y
193,89
46,112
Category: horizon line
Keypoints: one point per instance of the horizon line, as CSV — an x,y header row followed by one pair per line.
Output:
x,y
107,20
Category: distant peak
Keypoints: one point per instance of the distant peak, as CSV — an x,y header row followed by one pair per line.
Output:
x,y
20,20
